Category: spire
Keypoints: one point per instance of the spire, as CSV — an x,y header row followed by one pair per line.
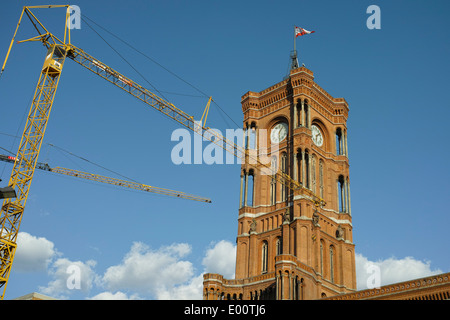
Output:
x,y
294,60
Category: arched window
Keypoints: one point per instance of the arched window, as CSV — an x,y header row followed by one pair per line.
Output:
x,y
247,189
243,187
298,113
339,142
321,178
251,188
321,258
341,193
307,182
278,246
265,256
273,183
298,165
313,173
246,134
306,113
284,162
301,294
284,170
331,263
252,136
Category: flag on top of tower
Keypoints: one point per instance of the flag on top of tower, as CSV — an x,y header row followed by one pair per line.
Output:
x,y
300,31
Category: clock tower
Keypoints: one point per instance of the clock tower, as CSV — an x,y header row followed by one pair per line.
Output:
x,y
289,245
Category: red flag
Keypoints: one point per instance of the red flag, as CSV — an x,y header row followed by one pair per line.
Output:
x,y
300,31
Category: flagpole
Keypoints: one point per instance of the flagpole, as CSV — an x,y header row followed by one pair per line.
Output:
x,y
294,38
294,62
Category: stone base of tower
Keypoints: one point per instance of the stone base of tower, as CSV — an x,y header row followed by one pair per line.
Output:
x,y
291,280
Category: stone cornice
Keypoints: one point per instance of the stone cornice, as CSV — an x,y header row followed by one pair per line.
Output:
x,y
411,289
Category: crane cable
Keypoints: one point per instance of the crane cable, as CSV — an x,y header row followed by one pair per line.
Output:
x,y
154,61
74,155
123,58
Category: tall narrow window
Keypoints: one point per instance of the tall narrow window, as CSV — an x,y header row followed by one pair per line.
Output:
x,y
313,173
246,134
331,263
321,178
339,142
278,246
265,252
321,258
243,188
252,137
306,113
284,170
273,191
299,113
341,193
307,171
251,188
273,183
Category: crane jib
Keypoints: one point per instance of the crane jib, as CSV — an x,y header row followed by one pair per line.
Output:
x,y
130,86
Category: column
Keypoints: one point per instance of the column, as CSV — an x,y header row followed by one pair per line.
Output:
x,y
240,193
346,146
303,114
296,167
246,189
309,171
295,115
349,202
277,287
285,235
290,286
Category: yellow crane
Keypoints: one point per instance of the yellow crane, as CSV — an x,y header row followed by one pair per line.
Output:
x,y
113,181
27,155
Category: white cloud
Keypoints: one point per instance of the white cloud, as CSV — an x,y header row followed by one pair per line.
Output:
x,y
70,276
150,271
371,274
166,274
114,296
221,258
33,253
192,290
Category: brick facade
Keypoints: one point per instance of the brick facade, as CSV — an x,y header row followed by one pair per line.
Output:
x,y
287,247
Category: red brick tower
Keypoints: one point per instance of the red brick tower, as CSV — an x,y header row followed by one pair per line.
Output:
x,y
288,248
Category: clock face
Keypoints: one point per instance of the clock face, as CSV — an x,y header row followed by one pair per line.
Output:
x,y
316,136
279,132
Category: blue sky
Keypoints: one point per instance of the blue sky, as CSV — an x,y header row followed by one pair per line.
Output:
x,y
395,80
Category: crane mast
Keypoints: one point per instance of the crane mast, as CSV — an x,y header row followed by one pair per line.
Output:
x,y
27,155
